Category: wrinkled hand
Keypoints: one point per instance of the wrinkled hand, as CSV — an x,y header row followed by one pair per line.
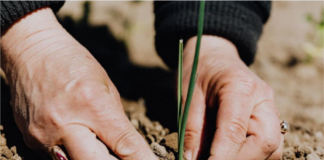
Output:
x,y
62,96
232,110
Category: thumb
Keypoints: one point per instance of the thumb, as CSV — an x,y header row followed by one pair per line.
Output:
x,y
120,136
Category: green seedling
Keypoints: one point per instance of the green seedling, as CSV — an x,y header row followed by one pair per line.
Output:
x,y
182,116
180,63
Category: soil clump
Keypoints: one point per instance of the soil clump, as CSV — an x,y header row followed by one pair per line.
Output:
x,y
6,152
162,143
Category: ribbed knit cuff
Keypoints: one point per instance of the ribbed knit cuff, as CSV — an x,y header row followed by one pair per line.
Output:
x,y
11,11
239,22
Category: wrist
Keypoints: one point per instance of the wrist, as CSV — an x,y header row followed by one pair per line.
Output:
x,y
24,37
30,47
216,54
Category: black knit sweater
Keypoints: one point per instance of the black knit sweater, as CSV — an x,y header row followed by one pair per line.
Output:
x,y
240,22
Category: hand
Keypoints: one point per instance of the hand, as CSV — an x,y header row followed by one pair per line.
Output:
x,y
232,110
62,96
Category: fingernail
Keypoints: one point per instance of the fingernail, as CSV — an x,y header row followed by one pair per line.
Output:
x,y
188,154
59,156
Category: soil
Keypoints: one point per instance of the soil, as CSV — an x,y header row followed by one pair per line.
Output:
x,y
162,143
280,61
304,143
298,85
6,152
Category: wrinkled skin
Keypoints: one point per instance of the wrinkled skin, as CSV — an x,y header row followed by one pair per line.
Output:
x,y
62,96
232,110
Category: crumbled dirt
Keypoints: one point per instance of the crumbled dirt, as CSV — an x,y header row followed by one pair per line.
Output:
x,y
298,86
304,143
6,153
162,143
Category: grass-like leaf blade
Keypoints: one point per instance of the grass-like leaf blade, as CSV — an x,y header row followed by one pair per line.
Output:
x,y
192,81
180,63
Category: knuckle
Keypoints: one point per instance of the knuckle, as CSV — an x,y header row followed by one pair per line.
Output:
x,y
244,76
246,86
88,93
236,132
269,145
91,95
247,82
191,135
128,145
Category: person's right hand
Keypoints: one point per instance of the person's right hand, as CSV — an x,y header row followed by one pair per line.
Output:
x,y
62,96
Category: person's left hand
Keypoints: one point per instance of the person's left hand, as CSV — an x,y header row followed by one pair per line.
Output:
x,y
232,110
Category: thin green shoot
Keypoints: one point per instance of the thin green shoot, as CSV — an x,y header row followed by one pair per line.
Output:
x,y
193,77
179,113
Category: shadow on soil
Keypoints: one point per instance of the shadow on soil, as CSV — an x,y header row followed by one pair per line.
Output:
x,y
155,85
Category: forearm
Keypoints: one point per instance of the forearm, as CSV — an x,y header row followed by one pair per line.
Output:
x,y
213,49
24,34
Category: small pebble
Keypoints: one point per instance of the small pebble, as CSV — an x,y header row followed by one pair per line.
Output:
x,y
303,151
3,141
319,135
170,156
13,150
150,138
6,152
313,156
163,133
158,149
158,127
159,139
171,141
288,154
320,152
16,157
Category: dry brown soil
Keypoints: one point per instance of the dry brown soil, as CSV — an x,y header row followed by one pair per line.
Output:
x,y
298,86
7,153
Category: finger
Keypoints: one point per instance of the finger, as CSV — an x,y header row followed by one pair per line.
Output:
x,y
231,125
194,127
115,130
278,153
82,144
264,133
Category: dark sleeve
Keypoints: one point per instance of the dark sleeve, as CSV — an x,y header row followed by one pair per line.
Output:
x,y
239,22
11,11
